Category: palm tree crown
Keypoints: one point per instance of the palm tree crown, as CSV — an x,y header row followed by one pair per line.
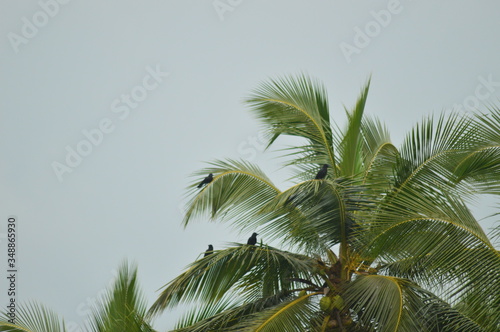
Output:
x,y
382,241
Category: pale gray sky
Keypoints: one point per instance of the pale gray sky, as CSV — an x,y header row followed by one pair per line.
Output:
x,y
150,90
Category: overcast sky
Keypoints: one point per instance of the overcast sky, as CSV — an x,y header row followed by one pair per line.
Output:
x,y
107,107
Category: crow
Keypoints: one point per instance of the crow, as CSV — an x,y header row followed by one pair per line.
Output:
x,y
206,180
252,240
209,251
322,172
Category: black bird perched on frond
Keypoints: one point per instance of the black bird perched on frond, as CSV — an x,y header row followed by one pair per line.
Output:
x,y
209,251
206,180
322,172
252,240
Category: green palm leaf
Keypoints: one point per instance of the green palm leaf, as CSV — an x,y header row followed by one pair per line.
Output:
x,y
297,106
351,147
481,164
439,244
208,316
123,307
296,314
245,270
430,152
313,215
238,189
380,155
226,315
386,304
32,317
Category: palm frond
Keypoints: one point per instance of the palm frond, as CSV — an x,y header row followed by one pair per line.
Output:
x,y
237,270
494,234
201,318
429,155
123,307
232,315
237,192
380,155
416,213
438,243
485,311
315,215
297,106
377,301
297,314
351,146
32,317
383,303
481,164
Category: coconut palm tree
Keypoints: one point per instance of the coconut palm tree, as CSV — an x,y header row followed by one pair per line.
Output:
x,y
122,308
385,241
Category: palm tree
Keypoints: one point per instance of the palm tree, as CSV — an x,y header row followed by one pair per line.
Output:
x,y
385,242
122,308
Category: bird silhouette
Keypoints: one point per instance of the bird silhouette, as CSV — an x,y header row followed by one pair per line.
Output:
x,y
252,240
206,180
322,172
209,251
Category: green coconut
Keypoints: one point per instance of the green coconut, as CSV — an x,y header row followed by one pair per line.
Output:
x,y
325,303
